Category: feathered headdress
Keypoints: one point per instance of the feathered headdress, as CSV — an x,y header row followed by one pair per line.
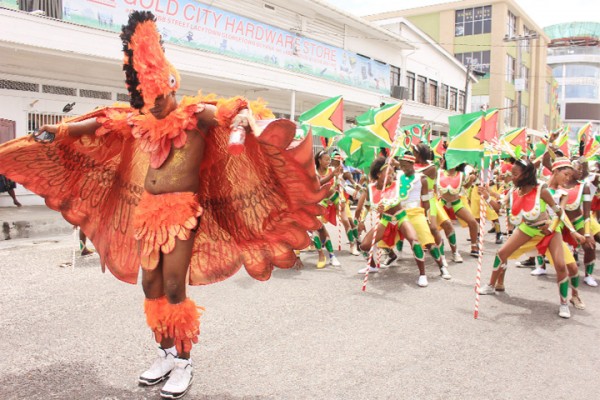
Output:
x,y
148,74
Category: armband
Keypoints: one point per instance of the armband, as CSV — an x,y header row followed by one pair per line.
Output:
x,y
426,197
587,197
587,227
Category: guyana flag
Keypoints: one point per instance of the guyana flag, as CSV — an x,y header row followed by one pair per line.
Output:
x,y
415,134
358,155
562,142
326,119
584,133
377,127
516,140
468,133
437,145
586,141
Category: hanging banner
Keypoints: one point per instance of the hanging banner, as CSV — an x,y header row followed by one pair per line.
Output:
x,y
9,4
192,24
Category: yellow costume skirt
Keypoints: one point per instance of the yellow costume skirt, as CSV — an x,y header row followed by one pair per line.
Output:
x,y
475,204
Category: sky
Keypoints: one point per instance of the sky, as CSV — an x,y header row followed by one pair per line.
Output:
x,y
543,12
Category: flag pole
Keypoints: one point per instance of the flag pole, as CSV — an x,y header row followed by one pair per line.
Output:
x,y
482,216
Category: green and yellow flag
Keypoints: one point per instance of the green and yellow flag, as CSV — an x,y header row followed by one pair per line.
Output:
x,y
377,127
584,133
326,119
467,135
358,155
415,134
516,140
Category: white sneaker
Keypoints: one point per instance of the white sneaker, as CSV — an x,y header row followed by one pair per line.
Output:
x,y
457,258
539,271
487,289
180,380
159,370
370,269
353,250
563,311
422,281
590,281
334,261
445,273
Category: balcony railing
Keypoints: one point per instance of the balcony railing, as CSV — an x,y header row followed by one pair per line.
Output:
x,y
568,51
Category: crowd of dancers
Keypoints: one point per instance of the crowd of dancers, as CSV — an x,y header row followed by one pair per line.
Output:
x,y
548,208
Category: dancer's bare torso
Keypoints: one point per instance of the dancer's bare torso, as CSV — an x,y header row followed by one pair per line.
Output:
x,y
181,170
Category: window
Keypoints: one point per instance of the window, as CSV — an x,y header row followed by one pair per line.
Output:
x,y
461,102
394,76
508,111
473,21
410,84
510,69
527,43
511,25
557,71
480,60
444,96
582,71
581,91
477,102
421,86
433,93
452,99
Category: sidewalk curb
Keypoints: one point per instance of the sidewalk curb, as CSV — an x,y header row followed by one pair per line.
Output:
x,y
31,222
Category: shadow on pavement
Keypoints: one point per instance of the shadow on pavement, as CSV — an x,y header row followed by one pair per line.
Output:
x,y
67,381
81,381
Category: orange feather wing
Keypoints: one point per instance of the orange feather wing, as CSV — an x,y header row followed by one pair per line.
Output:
x,y
94,181
258,206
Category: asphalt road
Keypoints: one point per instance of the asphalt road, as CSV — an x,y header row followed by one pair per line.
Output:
x,y
309,334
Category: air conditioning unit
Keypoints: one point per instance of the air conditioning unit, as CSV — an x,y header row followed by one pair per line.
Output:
x,y
399,92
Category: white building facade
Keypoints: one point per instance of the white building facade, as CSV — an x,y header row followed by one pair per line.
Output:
x,y
292,53
574,56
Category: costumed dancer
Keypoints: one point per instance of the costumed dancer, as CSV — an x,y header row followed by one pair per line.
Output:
x,y
137,183
343,211
415,197
450,185
562,170
393,219
328,177
437,214
535,231
578,209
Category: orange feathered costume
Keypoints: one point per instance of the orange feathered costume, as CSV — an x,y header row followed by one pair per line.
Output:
x,y
256,206
253,209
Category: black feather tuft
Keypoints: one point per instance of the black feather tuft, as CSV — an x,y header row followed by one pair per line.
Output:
x,y
131,77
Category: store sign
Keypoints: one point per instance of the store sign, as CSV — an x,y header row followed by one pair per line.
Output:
x,y
9,4
199,26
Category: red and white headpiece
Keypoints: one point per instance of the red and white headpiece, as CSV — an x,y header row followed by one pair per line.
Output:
x,y
561,162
